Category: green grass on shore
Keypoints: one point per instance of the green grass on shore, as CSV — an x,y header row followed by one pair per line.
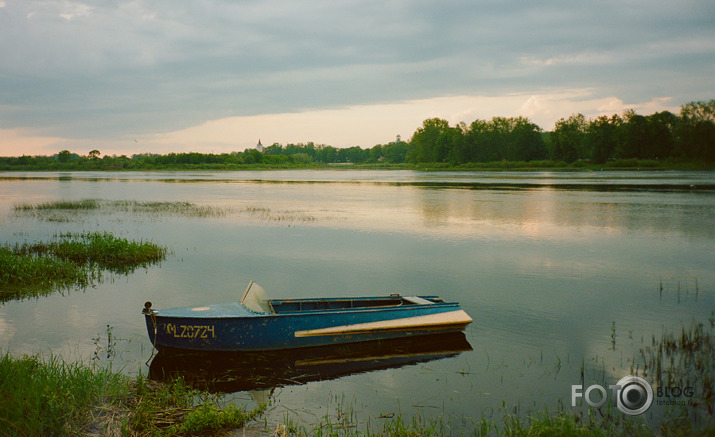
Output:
x,y
55,398
44,398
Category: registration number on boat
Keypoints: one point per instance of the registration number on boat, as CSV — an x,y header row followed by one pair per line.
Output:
x,y
190,331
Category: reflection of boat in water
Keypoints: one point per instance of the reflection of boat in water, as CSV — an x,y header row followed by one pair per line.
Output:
x,y
258,323
242,371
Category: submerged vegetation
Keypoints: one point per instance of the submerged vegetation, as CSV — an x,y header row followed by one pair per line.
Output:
x,y
66,210
71,260
73,210
55,398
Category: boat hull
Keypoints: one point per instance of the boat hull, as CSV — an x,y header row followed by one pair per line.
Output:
x,y
239,329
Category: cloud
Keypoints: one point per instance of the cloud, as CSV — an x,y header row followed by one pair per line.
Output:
x,y
107,70
71,10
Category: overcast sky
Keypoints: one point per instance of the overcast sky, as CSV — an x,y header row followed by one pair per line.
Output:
x,y
157,76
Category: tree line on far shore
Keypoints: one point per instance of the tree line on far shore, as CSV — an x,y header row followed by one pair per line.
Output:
x,y
687,137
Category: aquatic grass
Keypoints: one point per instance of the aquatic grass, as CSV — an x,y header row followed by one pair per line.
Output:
x,y
83,204
25,275
187,209
174,408
596,423
58,210
56,398
71,261
683,359
53,211
417,427
559,423
98,248
66,211
279,216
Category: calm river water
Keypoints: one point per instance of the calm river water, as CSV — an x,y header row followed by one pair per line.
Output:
x,y
558,270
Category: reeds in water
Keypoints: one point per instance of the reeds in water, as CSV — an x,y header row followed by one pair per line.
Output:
x,y
71,210
25,275
682,365
73,260
50,210
60,205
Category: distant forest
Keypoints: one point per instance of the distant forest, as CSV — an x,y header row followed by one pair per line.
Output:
x,y
687,137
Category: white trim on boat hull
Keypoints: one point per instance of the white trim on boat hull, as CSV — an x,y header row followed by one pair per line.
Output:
x,y
455,319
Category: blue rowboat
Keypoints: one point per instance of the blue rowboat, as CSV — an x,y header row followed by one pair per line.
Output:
x,y
257,323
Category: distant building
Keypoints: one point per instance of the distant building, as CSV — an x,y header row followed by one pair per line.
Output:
x,y
259,146
399,139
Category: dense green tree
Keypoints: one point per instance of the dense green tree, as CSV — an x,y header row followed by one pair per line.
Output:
x,y
662,128
273,149
396,152
601,137
633,136
480,142
501,138
430,142
567,139
64,156
526,140
326,154
697,131
301,158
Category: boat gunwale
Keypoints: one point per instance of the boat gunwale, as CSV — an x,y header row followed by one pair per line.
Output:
x,y
253,314
292,313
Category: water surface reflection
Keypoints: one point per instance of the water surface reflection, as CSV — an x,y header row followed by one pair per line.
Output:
x,y
559,279
230,372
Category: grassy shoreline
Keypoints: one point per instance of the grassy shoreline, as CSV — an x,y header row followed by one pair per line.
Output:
x,y
56,398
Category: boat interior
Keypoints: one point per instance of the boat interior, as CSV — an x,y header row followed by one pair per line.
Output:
x,y
293,305
255,298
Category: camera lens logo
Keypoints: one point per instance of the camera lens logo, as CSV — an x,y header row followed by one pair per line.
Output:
x,y
634,395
